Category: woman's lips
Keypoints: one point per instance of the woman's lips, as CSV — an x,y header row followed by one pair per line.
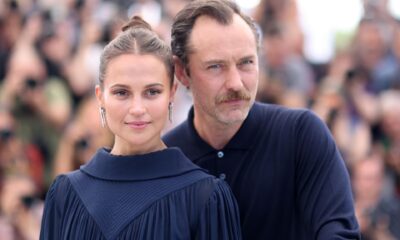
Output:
x,y
138,124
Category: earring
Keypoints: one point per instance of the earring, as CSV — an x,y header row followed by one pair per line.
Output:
x,y
103,116
170,105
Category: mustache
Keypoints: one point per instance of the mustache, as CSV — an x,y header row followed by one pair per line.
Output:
x,y
234,95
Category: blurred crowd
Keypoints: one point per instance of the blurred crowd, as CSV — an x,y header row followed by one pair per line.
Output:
x,y
49,118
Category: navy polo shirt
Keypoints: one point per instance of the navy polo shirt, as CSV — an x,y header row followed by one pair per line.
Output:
x,y
285,172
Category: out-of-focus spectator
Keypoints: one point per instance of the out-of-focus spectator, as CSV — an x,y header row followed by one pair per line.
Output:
x,y
396,53
390,125
81,139
149,10
283,12
81,70
10,27
378,217
285,69
377,9
7,231
351,132
21,206
41,105
372,56
169,9
17,157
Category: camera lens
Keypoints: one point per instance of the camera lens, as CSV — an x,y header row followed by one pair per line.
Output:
x,y
28,200
31,83
82,144
5,134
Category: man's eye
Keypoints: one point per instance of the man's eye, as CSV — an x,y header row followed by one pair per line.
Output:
x,y
247,64
214,66
247,61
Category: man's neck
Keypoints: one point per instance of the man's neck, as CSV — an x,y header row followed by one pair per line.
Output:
x,y
215,134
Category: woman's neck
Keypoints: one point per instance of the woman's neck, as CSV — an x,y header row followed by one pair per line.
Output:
x,y
130,149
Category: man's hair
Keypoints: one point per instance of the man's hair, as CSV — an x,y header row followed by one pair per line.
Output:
x,y
137,37
220,10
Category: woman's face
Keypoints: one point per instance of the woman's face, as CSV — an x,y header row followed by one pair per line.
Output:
x,y
135,96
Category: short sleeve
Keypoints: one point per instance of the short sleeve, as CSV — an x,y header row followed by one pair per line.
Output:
x,y
220,217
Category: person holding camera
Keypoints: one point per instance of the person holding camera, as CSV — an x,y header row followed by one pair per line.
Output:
x,y
40,104
138,189
81,138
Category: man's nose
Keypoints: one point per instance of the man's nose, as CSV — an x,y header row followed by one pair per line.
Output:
x,y
234,79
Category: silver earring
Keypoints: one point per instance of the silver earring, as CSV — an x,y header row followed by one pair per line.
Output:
x,y
103,116
170,105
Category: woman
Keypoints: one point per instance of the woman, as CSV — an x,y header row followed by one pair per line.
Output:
x,y
139,189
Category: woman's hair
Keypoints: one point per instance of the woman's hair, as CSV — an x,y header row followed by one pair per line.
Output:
x,y
138,38
220,10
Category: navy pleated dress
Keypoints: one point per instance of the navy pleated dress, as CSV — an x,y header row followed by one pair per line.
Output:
x,y
160,195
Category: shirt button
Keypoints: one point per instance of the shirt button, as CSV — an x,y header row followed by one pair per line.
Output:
x,y
220,154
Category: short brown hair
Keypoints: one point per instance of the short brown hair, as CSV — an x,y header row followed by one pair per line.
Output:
x,y
220,10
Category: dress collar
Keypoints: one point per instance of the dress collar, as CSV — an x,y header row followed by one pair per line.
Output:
x,y
165,163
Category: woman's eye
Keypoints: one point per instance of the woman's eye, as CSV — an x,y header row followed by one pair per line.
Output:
x,y
152,92
120,93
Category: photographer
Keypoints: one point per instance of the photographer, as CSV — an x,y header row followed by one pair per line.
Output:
x,y
20,207
41,105
17,157
81,138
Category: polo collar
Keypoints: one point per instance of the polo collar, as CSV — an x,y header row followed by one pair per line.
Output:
x,y
165,163
242,140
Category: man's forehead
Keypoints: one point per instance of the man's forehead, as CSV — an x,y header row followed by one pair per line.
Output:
x,y
208,35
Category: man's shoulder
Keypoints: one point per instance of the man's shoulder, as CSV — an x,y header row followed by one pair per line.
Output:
x,y
277,113
177,135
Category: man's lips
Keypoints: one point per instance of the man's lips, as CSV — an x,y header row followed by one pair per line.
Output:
x,y
236,100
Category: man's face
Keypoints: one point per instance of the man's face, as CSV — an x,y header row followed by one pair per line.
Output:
x,y
223,70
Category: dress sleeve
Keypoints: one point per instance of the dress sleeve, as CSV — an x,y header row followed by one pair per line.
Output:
x,y
324,195
50,225
219,219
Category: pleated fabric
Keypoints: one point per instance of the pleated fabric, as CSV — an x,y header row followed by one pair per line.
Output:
x,y
180,201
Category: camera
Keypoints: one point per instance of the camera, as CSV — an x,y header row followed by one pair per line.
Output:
x,y
13,5
28,201
5,134
82,143
31,83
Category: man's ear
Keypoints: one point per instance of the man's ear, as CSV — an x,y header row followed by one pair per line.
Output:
x,y
180,72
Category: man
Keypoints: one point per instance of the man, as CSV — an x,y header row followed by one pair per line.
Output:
x,y
282,165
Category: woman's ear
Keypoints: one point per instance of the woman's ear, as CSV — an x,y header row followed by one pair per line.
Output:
x,y
180,72
99,95
173,92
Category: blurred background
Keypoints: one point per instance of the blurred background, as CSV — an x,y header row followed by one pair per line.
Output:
x,y
341,59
